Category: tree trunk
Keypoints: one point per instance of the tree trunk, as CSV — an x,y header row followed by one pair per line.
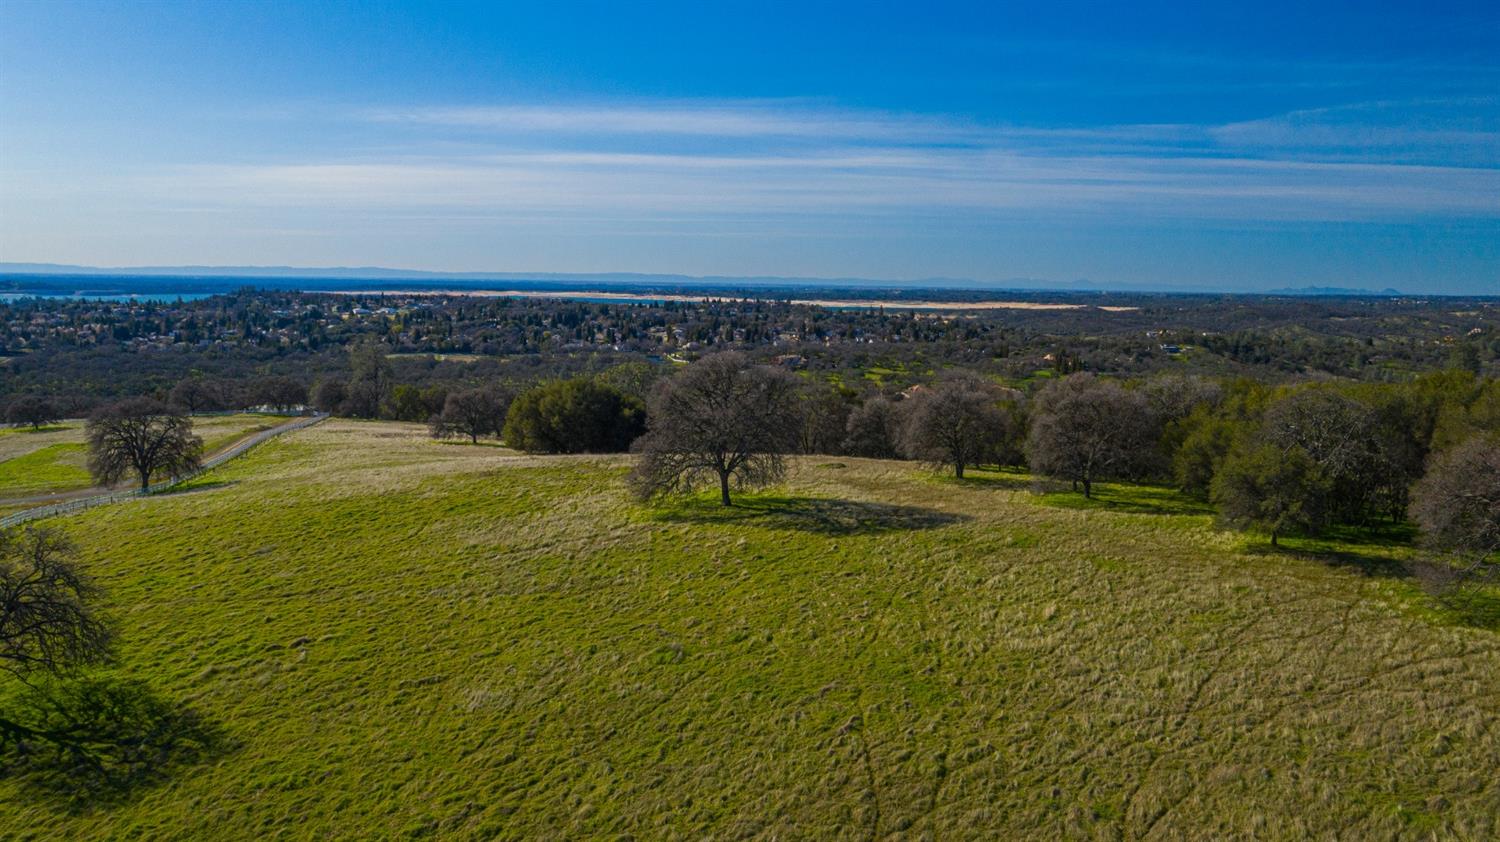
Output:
x,y
473,438
724,488
1088,489
958,469
1273,537
145,481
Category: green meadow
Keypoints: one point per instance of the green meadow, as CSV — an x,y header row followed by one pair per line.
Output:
x,y
394,638
55,467
54,459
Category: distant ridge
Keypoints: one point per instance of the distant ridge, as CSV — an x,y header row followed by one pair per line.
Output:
x,y
381,273
1342,292
476,280
384,273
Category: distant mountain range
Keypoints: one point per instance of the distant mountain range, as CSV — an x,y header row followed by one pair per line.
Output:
x,y
381,273
1334,291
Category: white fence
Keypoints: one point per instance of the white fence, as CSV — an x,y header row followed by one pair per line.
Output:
x,y
82,503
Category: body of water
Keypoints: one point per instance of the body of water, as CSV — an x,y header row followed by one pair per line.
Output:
x,y
87,296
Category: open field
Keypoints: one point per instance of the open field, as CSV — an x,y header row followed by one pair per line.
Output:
x,y
402,638
56,467
54,459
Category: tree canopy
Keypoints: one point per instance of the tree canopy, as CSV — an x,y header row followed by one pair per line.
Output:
x,y
1457,503
955,423
1084,429
1273,490
34,411
142,436
472,413
721,420
580,415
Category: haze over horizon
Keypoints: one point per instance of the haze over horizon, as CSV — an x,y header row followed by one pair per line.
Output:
x,y
1159,145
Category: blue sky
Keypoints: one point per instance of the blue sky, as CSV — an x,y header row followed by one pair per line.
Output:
x,y
1149,144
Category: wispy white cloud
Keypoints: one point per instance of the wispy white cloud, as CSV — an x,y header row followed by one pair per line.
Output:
x,y
1465,132
783,118
783,159
857,181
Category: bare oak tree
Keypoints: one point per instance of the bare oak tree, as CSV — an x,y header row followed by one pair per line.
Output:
x,y
1457,505
47,625
957,422
32,411
472,413
141,436
874,429
1084,430
195,394
722,419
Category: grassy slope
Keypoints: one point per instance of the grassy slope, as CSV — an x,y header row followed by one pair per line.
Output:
x,y
53,459
56,467
401,637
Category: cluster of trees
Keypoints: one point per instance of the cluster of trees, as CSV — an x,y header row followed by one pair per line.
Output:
x,y
575,415
34,411
1290,460
201,394
1322,455
726,420
1283,460
1278,459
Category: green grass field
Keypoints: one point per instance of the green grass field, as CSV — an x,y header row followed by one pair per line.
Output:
x,y
398,638
56,467
54,459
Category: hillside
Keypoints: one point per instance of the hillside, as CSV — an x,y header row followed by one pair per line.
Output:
x,y
396,637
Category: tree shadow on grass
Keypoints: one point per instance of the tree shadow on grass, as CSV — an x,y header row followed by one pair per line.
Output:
x,y
1474,603
990,481
109,739
822,516
1363,549
195,486
1468,597
1366,564
1129,499
45,428
1474,607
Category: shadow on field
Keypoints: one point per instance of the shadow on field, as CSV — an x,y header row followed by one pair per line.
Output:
x,y
93,742
1474,607
191,488
997,482
1135,499
1363,549
811,514
1375,566
1474,603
